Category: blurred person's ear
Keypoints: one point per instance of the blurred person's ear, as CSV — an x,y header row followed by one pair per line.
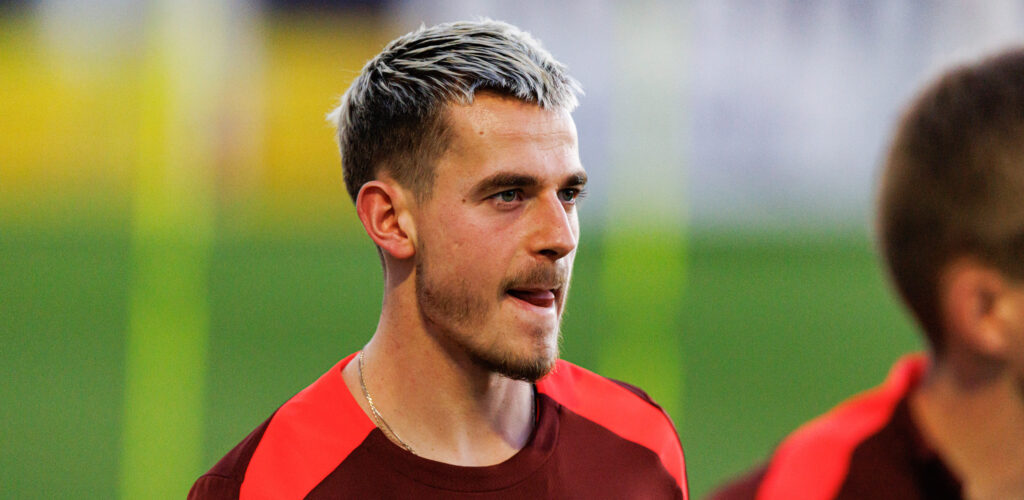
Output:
x,y
978,307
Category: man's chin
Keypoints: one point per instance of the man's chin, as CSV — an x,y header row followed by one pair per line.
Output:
x,y
529,373
527,370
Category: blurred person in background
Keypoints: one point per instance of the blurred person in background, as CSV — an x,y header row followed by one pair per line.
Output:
x,y
461,155
950,217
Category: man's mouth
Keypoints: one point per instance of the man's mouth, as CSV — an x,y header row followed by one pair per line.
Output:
x,y
540,297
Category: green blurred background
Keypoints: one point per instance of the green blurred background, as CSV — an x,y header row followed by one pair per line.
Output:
x,y
178,255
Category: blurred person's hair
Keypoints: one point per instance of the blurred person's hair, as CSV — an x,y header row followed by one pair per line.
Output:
x,y
393,117
953,183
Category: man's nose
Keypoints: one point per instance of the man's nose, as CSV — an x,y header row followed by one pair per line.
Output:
x,y
555,229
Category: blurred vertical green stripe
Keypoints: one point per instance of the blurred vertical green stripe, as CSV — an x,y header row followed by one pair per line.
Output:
x,y
183,81
166,363
642,289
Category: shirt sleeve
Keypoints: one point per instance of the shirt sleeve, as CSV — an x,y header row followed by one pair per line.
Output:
x,y
214,487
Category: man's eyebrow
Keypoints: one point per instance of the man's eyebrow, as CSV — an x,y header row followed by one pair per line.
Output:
x,y
578,179
504,180
509,180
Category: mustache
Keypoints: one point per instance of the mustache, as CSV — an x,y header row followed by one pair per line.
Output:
x,y
539,276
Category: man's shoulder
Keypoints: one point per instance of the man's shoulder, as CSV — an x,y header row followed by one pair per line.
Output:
x,y
576,387
294,449
623,409
225,478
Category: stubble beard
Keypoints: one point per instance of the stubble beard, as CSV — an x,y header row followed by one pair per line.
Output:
x,y
458,314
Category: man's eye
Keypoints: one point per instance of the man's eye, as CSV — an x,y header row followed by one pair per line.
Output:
x,y
569,195
508,196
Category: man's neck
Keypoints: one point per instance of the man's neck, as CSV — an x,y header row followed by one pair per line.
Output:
x,y
977,427
444,409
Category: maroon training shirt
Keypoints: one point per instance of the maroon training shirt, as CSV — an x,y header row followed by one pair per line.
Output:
x,y
866,448
594,438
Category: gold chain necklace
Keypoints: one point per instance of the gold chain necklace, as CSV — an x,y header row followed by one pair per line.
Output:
x,y
377,417
383,424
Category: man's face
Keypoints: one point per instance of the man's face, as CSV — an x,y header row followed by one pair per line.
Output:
x,y
496,240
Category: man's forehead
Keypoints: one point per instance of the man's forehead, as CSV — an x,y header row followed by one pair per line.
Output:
x,y
508,137
497,115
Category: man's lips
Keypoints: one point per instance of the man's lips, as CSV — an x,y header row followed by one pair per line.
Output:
x,y
536,296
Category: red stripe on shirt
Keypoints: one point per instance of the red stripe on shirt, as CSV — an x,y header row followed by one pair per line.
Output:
x,y
617,409
307,438
825,444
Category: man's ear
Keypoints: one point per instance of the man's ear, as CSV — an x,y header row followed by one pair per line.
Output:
x,y
383,209
971,295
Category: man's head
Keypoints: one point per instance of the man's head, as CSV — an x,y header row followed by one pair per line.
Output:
x,y
952,193
394,116
461,155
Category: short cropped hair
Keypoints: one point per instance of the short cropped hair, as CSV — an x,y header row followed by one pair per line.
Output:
x,y
393,117
953,183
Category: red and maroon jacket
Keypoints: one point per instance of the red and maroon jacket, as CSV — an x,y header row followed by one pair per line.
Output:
x,y
594,438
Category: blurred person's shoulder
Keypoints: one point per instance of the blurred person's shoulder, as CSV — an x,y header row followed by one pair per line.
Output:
x,y
867,447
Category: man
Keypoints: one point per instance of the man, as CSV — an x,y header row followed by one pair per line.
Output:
x,y
460,154
951,229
